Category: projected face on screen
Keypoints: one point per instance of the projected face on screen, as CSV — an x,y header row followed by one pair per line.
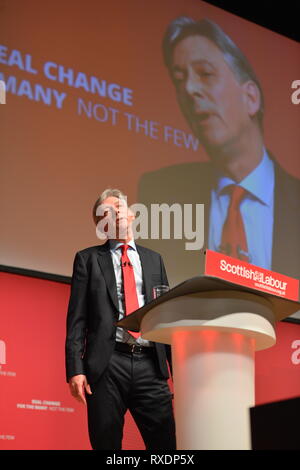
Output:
x,y
217,107
250,202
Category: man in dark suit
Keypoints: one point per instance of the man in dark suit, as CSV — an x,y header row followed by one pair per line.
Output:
x,y
108,368
250,201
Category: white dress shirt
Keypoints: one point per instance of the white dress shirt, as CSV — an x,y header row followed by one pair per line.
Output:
x,y
116,253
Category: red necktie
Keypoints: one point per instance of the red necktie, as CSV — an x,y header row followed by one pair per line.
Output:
x,y
234,241
129,285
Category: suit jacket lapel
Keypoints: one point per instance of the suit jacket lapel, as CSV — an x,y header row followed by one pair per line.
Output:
x,y
146,273
107,268
286,229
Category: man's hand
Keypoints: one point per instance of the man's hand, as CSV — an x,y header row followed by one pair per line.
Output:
x,y
79,386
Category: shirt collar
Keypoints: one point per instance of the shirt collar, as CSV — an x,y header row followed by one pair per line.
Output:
x,y
115,244
259,183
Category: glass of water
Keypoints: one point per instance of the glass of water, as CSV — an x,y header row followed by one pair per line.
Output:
x,y
160,290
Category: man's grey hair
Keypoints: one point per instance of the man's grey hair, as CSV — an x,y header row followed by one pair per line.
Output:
x,y
183,27
105,194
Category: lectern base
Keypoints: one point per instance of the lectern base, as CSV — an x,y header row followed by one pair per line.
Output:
x,y
213,363
213,388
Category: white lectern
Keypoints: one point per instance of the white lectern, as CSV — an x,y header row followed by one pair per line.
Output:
x,y
214,328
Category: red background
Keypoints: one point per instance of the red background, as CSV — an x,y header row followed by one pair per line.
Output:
x,y
32,325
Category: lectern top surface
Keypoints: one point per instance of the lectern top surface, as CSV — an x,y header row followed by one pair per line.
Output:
x,y
281,307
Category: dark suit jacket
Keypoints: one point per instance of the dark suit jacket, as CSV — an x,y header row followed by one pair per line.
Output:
x,y
191,183
93,310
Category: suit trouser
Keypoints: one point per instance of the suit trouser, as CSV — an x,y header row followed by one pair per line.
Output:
x,y
131,382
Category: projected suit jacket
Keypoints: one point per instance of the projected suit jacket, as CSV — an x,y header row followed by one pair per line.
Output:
x,y
93,310
192,183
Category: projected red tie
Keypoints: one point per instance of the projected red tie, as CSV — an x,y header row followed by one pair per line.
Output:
x,y
130,295
234,241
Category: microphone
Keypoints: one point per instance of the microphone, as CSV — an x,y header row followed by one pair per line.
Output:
x,y
126,263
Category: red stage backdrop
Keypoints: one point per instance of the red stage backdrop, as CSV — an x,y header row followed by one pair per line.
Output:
x,y
36,408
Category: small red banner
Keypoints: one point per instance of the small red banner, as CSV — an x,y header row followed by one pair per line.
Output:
x,y
245,274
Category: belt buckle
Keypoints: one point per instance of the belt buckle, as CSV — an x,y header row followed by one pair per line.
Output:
x,y
135,348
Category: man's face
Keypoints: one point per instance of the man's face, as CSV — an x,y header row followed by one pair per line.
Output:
x,y
212,100
114,218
